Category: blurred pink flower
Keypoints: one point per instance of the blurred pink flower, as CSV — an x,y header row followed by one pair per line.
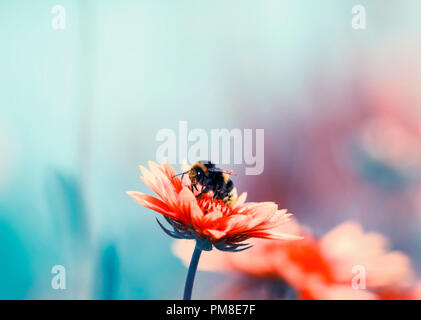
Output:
x,y
347,245
319,269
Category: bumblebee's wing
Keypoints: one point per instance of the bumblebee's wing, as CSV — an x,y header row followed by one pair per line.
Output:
x,y
230,172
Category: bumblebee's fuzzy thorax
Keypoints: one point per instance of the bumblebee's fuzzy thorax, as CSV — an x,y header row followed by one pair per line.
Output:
x,y
199,166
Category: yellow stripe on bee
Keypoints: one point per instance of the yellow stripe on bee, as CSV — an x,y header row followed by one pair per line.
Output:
x,y
231,199
226,177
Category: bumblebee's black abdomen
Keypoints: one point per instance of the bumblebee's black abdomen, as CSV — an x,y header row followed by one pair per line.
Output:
x,y
229,185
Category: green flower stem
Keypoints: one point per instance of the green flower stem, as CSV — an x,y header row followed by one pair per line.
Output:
x,y
192,272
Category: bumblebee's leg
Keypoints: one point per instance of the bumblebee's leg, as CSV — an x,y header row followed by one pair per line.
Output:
x,y
200,193
204,190
216,193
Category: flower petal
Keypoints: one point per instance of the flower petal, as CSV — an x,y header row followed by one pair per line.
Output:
x,y
151,203
187,204
212,217
216,234
241,199
274,236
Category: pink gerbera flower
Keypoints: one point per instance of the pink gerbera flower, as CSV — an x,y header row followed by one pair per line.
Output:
x,y
211,222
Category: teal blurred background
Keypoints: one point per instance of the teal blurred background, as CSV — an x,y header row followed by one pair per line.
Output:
x,y
80,108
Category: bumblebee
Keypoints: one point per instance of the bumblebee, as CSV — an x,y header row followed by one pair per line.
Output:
x,y
211,178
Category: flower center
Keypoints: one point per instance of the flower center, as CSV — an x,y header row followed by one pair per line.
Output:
x,y
207,204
